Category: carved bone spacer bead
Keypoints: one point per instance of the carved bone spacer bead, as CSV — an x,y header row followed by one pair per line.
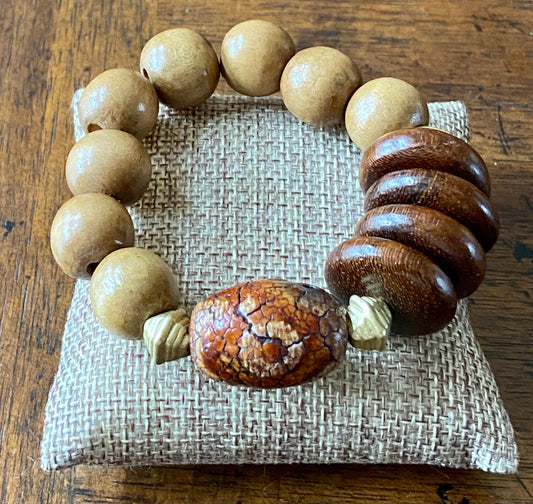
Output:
x,y
369,322
268,334
166,336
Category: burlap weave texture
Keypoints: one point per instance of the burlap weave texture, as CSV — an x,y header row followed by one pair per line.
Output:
x,y
242,190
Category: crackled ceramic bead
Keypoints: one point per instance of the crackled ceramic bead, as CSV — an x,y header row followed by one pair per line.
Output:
x,y
253,56
119,99
317,84
129,286
268,333
86,229
112,162
383,105
182,65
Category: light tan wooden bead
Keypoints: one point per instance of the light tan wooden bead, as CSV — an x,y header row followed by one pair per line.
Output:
x,y
383,105
87,228
119,99
111,162
182,65
129,286
317,84
253,56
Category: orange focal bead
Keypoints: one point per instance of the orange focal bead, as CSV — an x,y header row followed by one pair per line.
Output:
x,y
268,334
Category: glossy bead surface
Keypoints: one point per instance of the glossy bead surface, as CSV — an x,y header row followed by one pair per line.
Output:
x,y
253,56
441,191
119,99
426,148
268,333
421,297
111,162
317,84
383,105
85,229
129,286
446,242
182,65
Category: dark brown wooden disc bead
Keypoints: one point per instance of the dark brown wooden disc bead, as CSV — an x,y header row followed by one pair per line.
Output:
x,y
446,242
440,191
268,333
420,295
426,148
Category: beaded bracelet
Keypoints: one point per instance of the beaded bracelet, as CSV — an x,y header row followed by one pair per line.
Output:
x,y
418,249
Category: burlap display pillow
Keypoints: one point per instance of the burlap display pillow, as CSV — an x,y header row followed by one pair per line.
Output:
x,y
241,189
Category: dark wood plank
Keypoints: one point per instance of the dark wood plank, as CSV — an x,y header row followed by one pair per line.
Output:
x,y
479,51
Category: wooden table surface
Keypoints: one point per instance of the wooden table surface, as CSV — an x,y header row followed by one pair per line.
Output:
x,y
480,51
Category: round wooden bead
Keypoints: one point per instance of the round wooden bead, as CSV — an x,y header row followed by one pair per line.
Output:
x,y
112,162
383,105
253,56
441,191
446,242
317,84
426,148
128,287
420,295
268,333
182,65
119,99
86,229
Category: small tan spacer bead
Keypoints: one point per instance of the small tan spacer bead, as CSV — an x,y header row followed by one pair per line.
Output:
x,y
121,99
369,322
166,336
111,162
182,65
129,286
317,84
253,56
85,229
383,105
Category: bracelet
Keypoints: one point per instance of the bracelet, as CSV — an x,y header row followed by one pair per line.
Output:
x,y
419,247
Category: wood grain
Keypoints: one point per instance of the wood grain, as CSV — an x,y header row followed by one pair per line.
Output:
x,y
440,191
480,51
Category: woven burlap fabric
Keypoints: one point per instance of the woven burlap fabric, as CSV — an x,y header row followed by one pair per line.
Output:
x,y
242,190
